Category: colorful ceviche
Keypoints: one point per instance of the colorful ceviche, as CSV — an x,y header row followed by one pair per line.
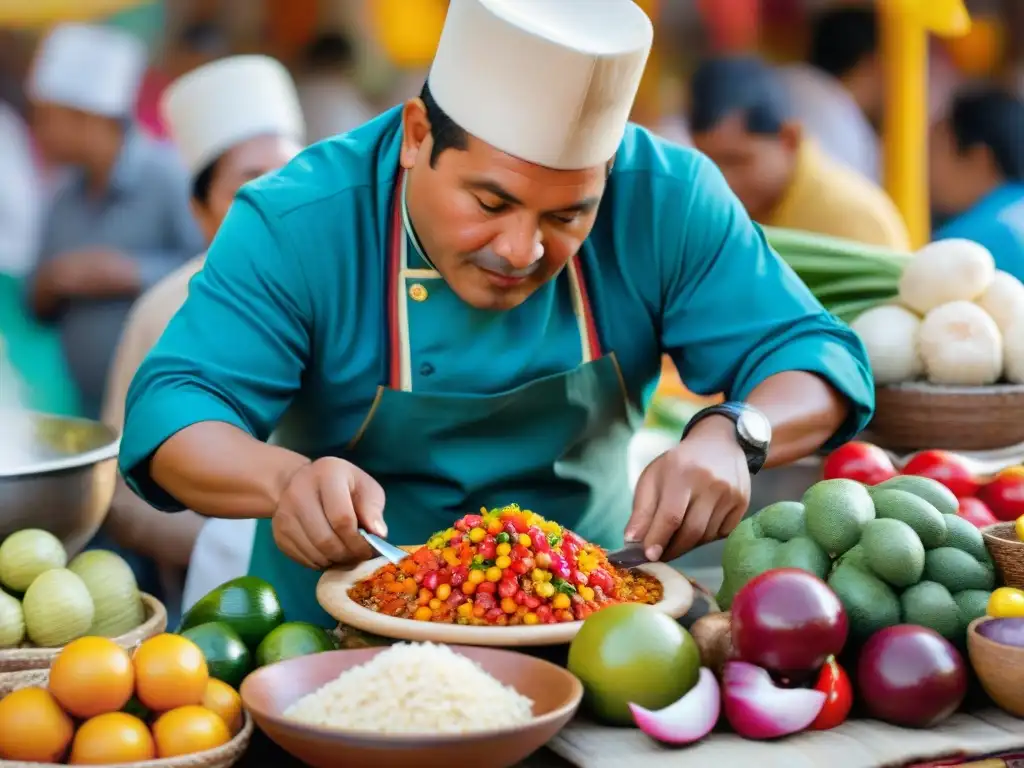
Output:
x,y
504,567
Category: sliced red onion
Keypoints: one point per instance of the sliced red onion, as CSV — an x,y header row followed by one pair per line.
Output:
x,y
757,709
688,720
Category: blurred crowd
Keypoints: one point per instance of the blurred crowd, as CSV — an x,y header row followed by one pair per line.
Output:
x,y
116,171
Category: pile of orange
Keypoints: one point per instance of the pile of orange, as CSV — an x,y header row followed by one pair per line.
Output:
x,y
104,707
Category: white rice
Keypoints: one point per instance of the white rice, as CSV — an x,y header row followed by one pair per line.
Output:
x,y
414,688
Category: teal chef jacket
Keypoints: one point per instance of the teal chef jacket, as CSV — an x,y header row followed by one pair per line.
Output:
x,y
291,327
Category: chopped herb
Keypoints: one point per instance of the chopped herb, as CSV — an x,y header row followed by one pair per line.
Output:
x,y
554,539
563,586
502,538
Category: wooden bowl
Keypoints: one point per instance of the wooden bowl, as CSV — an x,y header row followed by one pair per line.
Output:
x,y
332,594
1000,668
919,415
19,659
268,692
1007,551
222,757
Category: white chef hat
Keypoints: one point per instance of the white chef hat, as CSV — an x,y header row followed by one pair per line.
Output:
x,y
220,104
90,68
548,81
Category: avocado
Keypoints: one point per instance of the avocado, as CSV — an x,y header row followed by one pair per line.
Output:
x,y
929,604
956,570
870,603
973,604
248,605
782,521
753,559
855,557
893,552
226,655
932,491
801,552
291,640
748,530
925,519
965,536
836,510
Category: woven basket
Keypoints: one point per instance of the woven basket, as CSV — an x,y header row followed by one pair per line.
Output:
x,y
221,757
1007,551
18,659
1000,668
917,416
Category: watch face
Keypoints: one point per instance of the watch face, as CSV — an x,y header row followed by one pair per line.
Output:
x,y
755,428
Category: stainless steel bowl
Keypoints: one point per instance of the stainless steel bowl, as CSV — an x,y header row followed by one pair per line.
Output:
x,y
59,476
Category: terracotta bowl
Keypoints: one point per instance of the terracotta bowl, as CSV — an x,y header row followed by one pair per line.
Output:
x,y
1000,668
268,692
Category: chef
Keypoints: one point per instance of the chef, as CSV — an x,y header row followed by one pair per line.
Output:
x,y
458,305
232,120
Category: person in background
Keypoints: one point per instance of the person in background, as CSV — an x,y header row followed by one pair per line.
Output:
x,y
330,99
232,120
742,119
977,174
837,95
121,220
20,195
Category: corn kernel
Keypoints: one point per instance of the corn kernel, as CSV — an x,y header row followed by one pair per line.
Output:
x,y
493,573
468,587
476,535
531,618
434,604
503,561
443,591
450,534
560,602
465,610
525,540
423,613
539,575
503,549
585,592
545,589
476,577
508,605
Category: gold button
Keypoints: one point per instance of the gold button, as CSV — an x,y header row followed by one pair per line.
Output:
x,y
417,292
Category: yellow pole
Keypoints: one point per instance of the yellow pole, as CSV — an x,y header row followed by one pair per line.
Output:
x,y
905,25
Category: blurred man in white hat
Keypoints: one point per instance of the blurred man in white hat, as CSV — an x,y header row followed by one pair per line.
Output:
x,y
121,221
459,304
232,120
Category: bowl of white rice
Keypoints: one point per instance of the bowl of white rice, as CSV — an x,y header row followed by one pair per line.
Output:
x,y
412,704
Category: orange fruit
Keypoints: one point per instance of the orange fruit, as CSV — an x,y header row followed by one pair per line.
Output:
x,y
112,738
221,699
33,727
187,730
92,676
170,672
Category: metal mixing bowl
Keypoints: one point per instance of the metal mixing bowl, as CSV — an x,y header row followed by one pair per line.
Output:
x,y
60,476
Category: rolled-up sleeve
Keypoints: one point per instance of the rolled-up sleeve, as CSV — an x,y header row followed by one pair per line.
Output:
x,y
735,314
234,353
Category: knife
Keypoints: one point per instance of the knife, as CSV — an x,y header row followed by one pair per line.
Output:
x,y
389,551
629,556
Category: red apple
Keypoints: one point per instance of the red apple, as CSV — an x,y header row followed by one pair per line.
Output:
x,y
948,468
1004,495
863,462
975,512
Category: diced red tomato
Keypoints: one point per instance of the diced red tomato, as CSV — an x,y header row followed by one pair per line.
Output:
x,y
540,541
487,549
519,567
431,581
459,575
508,588
600,578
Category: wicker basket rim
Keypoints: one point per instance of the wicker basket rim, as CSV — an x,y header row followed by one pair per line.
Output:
x,y
156,614
998,531
926,388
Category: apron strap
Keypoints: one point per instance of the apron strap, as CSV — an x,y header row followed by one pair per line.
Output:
x,y
398,333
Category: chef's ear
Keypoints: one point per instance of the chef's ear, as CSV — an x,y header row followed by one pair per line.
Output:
x,y
415,131
791,134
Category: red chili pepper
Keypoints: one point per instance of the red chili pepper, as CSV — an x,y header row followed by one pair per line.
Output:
x,y
835,684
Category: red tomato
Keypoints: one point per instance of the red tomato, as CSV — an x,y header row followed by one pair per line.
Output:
x,y
835,684
975,512
863,462
948,468
1004,495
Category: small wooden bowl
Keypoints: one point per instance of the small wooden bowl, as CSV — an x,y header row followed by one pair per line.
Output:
x,y
1000,668
222,757
268,692
1007,551
19,659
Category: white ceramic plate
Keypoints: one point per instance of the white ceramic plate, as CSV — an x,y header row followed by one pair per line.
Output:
x,y
332,593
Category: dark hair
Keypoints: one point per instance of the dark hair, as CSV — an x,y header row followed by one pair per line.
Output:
x,y
993,118
722,87
204,37
331,50
447,134
842,38
203,181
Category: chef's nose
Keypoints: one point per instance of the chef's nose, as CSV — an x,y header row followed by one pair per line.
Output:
x,y
520,244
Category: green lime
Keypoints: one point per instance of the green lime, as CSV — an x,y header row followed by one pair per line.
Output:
x,y
248,605
291,640
226,655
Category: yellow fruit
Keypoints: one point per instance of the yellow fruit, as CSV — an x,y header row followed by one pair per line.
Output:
x,y
170,672
92,676
188,730
223,700
1019,527
1006,602
33,727
115,737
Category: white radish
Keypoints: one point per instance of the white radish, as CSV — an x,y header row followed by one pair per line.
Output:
x,y
945,271
961,345
889,334
1003,299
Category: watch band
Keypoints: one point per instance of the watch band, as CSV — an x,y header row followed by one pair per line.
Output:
x,y
755,449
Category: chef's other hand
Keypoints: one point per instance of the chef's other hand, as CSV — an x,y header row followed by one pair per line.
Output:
x,y
325,503
693,494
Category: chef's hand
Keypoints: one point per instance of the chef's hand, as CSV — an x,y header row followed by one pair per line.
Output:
x,y
317,519
693,494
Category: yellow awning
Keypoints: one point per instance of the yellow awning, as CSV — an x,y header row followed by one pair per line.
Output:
x,y
33,14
